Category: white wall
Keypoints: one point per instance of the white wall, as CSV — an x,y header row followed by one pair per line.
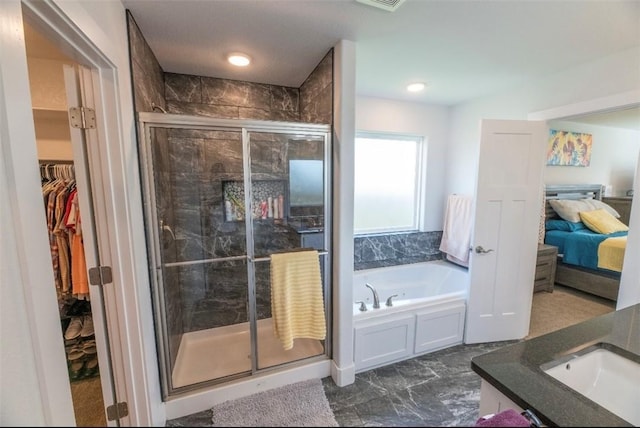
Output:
x,y
343,368
629,283
613,158
430,122
20,398
607,76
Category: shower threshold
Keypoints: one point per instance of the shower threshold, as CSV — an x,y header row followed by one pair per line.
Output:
x,y
223,351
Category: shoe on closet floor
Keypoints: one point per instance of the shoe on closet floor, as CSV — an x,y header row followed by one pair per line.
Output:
x,y
75,370
87,326
89,347
91,367
74,329
75,353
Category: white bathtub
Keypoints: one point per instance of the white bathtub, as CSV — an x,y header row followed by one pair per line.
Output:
x,y
427,314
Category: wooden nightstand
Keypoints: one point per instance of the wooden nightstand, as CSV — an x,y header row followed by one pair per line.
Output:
x,y
545,268
621,204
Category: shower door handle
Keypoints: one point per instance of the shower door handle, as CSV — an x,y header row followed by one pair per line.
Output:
x,y
481,250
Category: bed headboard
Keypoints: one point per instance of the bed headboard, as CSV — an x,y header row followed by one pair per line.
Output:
x,y
569,191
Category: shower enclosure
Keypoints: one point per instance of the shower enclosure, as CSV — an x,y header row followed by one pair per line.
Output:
x,y
220,197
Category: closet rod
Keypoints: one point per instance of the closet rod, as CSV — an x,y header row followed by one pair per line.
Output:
x,y
58,161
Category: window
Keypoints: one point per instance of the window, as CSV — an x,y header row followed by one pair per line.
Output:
x,y
388,181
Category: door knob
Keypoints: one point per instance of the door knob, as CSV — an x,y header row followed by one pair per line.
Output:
x,y
481,250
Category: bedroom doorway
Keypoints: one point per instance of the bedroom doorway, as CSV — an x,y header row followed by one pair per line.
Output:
x,y
615,169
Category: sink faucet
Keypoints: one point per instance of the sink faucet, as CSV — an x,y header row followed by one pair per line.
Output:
x,y
376,300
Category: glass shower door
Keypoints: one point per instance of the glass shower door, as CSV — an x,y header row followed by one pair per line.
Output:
x,y
221,196
289,176
201,281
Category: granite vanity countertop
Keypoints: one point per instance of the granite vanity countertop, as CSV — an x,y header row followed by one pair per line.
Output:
x,y
515,369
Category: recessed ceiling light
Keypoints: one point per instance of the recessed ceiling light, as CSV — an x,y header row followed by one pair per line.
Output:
x,y
239,59
415,87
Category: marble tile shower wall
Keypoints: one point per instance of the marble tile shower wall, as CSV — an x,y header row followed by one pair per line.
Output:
x,y
230,99
316,93
216,295
146,73
396,249
147,78
191,170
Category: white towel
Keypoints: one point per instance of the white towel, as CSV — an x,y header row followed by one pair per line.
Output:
x,y
456,232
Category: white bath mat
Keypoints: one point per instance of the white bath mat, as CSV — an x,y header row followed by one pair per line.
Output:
x,y
301,404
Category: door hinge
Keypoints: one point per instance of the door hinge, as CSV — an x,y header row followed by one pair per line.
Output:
x,y
82,117
100,275
117,411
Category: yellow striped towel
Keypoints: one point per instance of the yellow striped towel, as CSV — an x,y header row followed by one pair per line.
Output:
x,y
297,305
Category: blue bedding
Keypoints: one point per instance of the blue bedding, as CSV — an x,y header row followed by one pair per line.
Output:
x,y
580,247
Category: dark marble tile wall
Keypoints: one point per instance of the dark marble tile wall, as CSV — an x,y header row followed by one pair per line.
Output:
x,y
174,307
396,249
218,296
146,74
147,78
191,167
230,99
316,93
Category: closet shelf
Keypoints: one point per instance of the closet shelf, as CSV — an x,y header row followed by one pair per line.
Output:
x,y
50,114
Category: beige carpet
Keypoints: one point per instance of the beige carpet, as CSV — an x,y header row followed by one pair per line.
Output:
x,y
564,307
88,404
302,404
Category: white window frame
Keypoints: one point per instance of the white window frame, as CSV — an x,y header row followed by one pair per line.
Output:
x,y
420,179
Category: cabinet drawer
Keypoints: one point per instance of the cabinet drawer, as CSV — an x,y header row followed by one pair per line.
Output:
x,y
545,268
543,274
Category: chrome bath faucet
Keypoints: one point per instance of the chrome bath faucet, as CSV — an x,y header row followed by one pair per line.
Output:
x,y
376,300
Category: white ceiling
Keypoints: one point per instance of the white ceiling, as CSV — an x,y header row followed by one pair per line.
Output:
x,y
461,49
627,118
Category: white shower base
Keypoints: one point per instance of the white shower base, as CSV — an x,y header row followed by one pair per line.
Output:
x,y
214,353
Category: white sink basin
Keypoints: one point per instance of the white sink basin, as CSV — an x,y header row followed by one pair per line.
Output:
x,y
604,377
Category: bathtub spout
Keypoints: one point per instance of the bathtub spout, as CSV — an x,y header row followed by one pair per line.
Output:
x,y
376,300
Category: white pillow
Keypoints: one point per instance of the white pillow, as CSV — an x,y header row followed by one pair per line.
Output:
x,y
569,209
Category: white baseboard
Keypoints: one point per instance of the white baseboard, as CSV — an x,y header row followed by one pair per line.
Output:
x,y
343,376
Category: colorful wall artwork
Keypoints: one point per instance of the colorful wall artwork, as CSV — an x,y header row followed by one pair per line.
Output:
x,y
569,148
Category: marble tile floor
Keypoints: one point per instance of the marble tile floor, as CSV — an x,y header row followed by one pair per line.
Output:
x,y
436,389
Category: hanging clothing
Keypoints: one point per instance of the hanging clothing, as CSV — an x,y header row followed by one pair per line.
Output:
x,y
62,240
79,280
65,233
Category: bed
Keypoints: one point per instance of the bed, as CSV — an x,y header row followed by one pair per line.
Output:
x,y
590,252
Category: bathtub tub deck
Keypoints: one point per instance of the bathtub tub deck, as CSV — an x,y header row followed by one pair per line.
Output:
x,y
428,315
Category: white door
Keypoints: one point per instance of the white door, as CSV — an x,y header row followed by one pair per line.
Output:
x,y
505,231
84,140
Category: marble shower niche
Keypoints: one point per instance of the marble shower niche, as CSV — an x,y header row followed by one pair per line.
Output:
x,y
268,199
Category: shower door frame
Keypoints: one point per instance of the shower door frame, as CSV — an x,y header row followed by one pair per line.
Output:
x,y
148,120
